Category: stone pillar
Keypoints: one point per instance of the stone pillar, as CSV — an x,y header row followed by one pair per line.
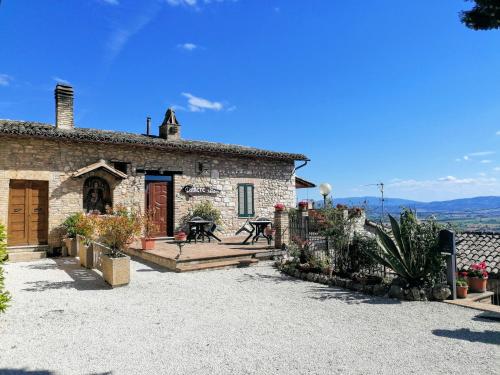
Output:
x,y
304,221
282,236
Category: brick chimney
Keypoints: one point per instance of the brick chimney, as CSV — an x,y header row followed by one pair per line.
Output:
x,y
64,106
170,128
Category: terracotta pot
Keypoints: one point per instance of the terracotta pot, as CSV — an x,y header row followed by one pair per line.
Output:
x,y
462,291
148,243
180,236
477,285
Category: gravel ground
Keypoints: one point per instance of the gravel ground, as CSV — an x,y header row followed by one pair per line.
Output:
x,y
65,320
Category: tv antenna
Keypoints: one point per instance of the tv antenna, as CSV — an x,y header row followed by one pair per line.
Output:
x,y
380,186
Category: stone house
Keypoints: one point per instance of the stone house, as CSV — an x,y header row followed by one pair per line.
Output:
x,y
48,172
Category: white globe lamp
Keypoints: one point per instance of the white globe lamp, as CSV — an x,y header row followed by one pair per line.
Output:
x,y
325,189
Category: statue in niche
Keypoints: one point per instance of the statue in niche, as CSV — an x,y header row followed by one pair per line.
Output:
x,y
97,198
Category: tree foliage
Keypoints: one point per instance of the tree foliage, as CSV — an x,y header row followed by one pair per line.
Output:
x,y
485,15
4,295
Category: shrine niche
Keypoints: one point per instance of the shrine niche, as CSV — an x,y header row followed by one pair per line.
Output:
x,y
96,195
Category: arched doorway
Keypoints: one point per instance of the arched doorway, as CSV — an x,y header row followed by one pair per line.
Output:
x,y
96,195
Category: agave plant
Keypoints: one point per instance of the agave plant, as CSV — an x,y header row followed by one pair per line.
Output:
x,y
411,250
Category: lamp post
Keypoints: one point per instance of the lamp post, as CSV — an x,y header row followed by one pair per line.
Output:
x,y
325,189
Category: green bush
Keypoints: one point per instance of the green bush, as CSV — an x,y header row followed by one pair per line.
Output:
x,y
411,249
4,295
71,223
205,210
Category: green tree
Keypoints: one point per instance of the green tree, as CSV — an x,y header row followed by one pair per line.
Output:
x,y
485,15
4,295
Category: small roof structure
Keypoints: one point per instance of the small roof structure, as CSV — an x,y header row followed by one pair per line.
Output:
x,y
101,164
300,183
475,247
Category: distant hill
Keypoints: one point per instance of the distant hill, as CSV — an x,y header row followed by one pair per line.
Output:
x,y
395,204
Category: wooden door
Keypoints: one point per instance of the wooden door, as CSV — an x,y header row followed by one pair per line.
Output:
x,y
157,203
28,213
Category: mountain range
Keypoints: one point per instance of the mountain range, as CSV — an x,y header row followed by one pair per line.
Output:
x,y
485,203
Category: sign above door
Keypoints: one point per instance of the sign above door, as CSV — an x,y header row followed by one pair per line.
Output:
x,y
200,190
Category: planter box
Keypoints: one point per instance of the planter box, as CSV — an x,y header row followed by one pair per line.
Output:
x,y
71,246
116,271
86,254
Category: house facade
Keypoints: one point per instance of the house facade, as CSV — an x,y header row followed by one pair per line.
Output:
x,y
48,172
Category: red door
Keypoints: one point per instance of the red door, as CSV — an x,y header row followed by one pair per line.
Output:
x,y
156,195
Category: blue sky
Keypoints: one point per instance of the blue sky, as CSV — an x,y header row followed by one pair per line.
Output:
x,y
383,90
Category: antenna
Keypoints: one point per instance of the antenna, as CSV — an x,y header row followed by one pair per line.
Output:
x,y
382,199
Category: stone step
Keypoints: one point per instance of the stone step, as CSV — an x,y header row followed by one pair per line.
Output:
x,y
485,297
26,256
215,265
27,248
215,259
269,254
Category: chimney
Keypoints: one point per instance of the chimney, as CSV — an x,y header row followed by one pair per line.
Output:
x,y
170,128
148,125
64,106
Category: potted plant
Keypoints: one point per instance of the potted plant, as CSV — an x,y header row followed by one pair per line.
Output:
x,y
462,288
180,236
279,207
117,231
85,233
69,239
149,227
304,205
477,277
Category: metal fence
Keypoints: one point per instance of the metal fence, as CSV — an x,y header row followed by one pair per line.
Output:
x,y
308,229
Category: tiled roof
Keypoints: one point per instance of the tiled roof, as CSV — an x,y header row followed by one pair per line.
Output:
x,y
28,129
474,247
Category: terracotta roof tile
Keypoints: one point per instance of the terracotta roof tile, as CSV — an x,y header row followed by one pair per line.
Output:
x,y
477,246
28,129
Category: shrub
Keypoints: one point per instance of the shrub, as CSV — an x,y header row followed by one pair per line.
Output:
x,y
70,224
4,295
118,229
411,250
149,226
87,226
205,210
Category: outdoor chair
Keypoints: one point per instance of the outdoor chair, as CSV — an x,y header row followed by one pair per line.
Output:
x,y
210,230
245,228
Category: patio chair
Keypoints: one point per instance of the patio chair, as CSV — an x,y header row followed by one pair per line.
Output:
x,y
210,230
245,228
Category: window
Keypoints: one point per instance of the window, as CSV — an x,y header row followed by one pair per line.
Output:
x,y
121,166
245,200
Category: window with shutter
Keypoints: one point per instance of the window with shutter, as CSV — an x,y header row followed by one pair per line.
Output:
x,y
246,200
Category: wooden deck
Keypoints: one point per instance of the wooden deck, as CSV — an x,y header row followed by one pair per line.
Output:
x,y
205,255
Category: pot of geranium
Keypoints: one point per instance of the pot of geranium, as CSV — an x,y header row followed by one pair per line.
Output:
x,y
303,205
116,231
462,288
149,227
477,277
180,236
279,207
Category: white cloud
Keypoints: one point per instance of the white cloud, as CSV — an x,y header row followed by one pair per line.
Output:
x,y
5,80
498,132
485,161
111,2
61,80
195,3
188,46
197,104
466,157
481,153
447,187
497,169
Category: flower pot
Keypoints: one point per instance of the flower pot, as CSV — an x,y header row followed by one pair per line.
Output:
x,y
148,243
462,291
477,285
180,236
116,271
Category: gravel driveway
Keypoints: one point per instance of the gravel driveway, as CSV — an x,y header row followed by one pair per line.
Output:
x,y
65,320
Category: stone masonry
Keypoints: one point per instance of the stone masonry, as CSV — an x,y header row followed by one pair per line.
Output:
x,y
55,161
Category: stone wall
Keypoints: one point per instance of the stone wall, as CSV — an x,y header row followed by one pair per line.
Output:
x,y
54,161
